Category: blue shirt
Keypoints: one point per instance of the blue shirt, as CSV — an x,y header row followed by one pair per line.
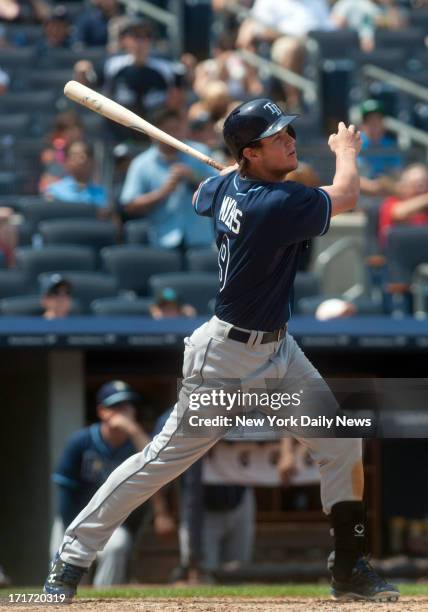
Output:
x,y
378,158
260,227
85,465
173,221
69,190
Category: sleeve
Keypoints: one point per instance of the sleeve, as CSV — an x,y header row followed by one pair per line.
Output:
x,y
135,183
204,196
305,214
67,473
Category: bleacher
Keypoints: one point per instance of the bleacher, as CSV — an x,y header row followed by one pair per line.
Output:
x,y
116,262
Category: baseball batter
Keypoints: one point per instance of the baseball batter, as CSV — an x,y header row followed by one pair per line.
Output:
x,y
261,221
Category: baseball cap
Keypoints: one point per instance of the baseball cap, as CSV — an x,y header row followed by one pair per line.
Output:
x,y
116,392
371,106
166,294
134,25
252,121
59,13
51,283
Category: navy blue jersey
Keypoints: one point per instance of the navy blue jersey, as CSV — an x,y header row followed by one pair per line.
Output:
x,y
260,227
85,464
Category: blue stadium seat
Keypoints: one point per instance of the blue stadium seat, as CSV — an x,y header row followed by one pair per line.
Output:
x,y
132,265
195,288
121,306
331,44
22,306
34,212
409,40
137,232
92,233
202,260
88,286
12,282
33,262
27,101
15,125
406,248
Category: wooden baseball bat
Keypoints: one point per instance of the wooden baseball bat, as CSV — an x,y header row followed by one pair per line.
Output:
x,y
116,112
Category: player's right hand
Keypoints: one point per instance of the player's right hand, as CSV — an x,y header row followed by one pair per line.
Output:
x,y
164,525
346,138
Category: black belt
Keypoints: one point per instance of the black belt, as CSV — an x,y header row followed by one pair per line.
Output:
x,y
243,336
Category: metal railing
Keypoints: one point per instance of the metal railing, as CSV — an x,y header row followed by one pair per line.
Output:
x,y
403,84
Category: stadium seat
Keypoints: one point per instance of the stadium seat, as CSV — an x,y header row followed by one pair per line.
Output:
x,y
17,57
85,232
306,284
33,262
27,101
202,260
331,44
15,125
50,79
121,306
388,59
409,40
24,234
195,288
88,286
132,265
137,232
2,260
34,212
24,35
406,248
12,282
22,306
66,58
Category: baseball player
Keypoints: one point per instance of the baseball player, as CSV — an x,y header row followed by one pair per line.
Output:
x,y
260,221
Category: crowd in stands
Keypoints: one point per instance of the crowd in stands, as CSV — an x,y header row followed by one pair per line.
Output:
x,y
53,150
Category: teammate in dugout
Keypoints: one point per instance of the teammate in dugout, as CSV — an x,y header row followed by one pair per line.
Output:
x,y
261,221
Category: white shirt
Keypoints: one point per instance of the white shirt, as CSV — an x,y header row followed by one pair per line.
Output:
x,y
294,17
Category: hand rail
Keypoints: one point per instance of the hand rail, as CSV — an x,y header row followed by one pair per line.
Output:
x,y
402,83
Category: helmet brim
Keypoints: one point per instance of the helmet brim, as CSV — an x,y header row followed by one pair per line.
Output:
x,y
276,126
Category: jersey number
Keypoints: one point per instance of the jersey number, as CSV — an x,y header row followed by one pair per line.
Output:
x,y
223,261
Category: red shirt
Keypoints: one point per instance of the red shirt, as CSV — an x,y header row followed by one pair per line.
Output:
x,y
386,220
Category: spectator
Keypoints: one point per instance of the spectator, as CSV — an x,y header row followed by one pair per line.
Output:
x,y
90,455
57,30
78,186
4,82
214,100
23,10
202,129
92,24
411,207
56,297
67,128
168,305
160,184
138,81
378,155
365,16
286,25
8,235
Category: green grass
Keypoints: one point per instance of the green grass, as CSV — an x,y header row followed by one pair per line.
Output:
x,y
248,590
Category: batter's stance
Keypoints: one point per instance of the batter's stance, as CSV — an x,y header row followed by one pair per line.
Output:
x,y
261,221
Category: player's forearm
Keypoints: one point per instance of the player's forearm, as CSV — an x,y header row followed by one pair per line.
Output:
x,y
159,505
345,189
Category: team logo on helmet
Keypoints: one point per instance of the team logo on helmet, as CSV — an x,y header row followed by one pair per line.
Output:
x,y
274,109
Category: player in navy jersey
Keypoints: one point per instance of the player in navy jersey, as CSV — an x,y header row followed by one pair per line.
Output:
x,y
260,222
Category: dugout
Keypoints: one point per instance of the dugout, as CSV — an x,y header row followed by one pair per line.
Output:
x,y
50,371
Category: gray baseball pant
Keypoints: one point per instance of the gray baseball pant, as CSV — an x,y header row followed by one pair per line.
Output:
x,y
208,357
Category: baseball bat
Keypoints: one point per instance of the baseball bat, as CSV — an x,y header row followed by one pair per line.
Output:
x,y
116,112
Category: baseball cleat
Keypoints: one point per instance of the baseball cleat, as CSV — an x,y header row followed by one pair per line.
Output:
x,y
63,579
364,584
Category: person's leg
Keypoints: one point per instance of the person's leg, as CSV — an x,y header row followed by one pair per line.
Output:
x,y
112,562
239,542
342,482
213,534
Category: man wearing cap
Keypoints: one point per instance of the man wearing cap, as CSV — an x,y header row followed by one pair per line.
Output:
x,y
168,304
90,455
56,297
378,155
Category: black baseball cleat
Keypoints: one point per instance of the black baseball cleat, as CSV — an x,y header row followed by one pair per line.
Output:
x,y
364,584
63,579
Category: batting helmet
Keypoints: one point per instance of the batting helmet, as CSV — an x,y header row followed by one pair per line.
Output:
x,y
253,121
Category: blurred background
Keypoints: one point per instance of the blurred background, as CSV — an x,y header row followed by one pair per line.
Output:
x,y
104,267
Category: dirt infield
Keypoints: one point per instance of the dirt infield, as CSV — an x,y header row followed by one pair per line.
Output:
x,y
232,604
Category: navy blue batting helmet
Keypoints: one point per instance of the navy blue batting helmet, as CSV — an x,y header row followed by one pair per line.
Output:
x,y
253,121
